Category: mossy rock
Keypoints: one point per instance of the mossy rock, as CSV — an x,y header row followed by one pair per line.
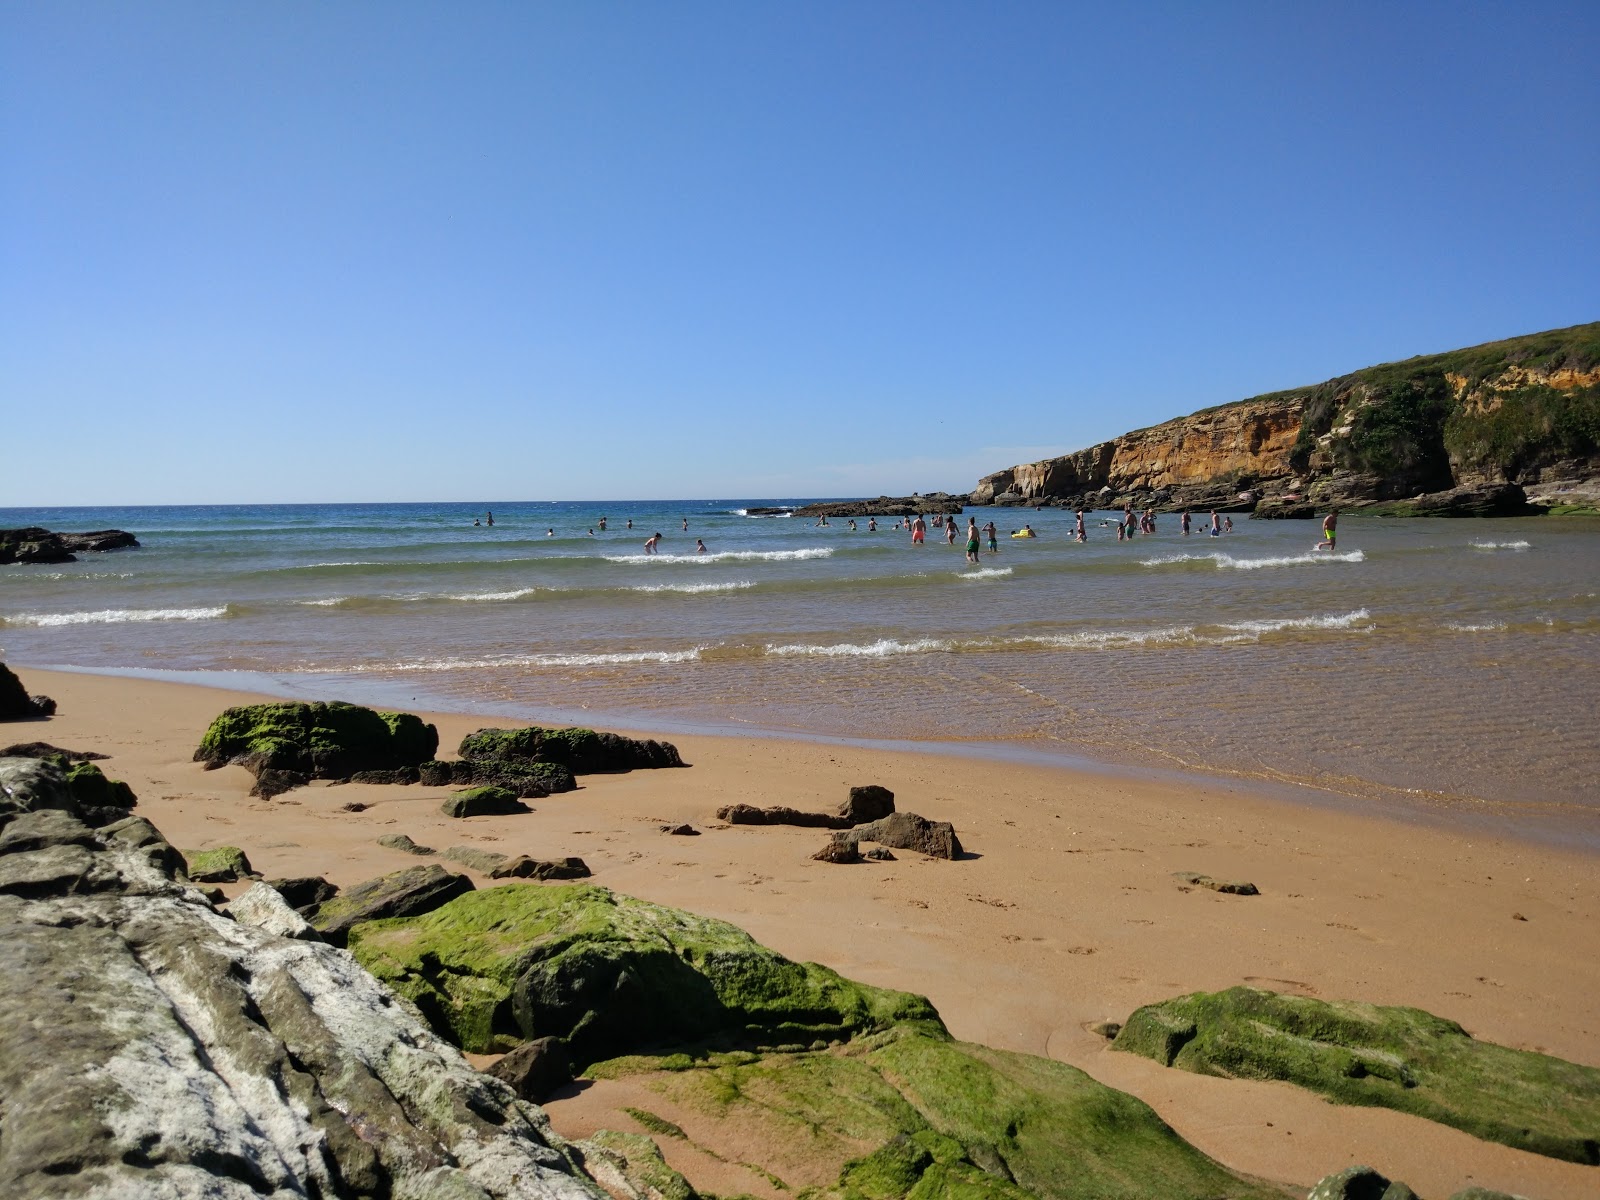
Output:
x,y
582,751
1400,1058
943,1118
319,740
483,802
611,975
398,894
225,864
631,1164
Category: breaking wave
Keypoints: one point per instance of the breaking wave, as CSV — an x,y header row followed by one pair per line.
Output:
x,y
727,556
1254,564
116,616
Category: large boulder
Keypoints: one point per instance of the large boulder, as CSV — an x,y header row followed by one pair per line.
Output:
x,y
99,541
529,780
1469,500
610,975
1400,1058
536,1068
908,831
290,743
483,802
16,704
581,751
223,864
406,893
1360,1183
152,1046
33,545
867,803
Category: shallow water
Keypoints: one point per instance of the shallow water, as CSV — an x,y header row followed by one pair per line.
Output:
x,y
1449,666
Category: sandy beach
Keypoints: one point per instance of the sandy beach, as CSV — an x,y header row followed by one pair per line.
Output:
x,y
1064,913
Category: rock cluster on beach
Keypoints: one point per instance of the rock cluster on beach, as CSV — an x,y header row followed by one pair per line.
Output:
x,y
286,745
151,1045
866,815
35,545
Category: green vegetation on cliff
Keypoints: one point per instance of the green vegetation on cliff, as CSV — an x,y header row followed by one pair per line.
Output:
x,y
1365,1054
1487,409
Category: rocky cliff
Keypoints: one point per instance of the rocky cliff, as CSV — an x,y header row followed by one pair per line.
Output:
x,y
1522,412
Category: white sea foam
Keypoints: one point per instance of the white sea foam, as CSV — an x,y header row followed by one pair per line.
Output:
x,y
542,660
727,556
1254,564
117,616
328,602
1518,545
1347,620
515,594
694,589
985,573
882,648
1475,626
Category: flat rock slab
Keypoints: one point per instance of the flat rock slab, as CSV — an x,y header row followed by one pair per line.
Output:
x,y
484,802
1235,887
399,841
749,814
486,862
1367,1054
523,867
407,893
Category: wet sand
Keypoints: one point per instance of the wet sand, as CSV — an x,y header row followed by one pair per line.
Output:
x,y
1064,913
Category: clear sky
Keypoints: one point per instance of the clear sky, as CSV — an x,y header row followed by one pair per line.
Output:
x,y
394,251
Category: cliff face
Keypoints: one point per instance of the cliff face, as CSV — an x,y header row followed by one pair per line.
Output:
x,y
1524,411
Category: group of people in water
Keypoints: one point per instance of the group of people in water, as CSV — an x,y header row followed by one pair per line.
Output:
x,y
1127,526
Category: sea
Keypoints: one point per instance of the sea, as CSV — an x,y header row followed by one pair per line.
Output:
x,y
1438,670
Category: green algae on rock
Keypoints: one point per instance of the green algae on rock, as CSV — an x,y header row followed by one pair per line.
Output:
x,y
910,1114
398,894
290,743
1366,1054
611,975
582,751
224,864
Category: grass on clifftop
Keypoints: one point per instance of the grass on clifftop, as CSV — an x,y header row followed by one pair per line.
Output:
x,y
1366,1054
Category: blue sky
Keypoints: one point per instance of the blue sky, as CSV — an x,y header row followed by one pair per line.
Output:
x,y
394,251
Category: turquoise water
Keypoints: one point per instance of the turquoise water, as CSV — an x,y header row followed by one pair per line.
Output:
x,y
1442,666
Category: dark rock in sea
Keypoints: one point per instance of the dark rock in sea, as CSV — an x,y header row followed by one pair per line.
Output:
x,y
908,831
839,849
749,814
16,704
535,1069
581,751
1281,508
405,893
1367,1054
523,867
99,541
1360,1183
36,545
287,744
224,864
868,803
399,841
1471,500
1232,888
885,506
483,802
305,892
152,1046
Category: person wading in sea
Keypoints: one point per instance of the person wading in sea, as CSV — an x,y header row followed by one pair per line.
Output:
x,y
972,539
1330,527
651,543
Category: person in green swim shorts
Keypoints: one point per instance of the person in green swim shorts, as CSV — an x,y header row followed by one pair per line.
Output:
x,y
1330,534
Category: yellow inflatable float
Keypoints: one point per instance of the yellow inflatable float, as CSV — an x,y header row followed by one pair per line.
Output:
x,y
1025,531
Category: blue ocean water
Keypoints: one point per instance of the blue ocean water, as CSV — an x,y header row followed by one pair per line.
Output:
x,y
1442,665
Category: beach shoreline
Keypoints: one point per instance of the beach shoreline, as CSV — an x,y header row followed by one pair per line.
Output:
x,y
1064,913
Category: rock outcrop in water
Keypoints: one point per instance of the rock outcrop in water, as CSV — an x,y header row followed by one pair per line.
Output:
x,y
150,1045
1521,414
35,545
1400,1058
885,506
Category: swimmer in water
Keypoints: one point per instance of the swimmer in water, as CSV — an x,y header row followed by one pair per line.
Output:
x,y
651,543
994,545
699,546
872,525
972,539
919,531
1330,528
1078,531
